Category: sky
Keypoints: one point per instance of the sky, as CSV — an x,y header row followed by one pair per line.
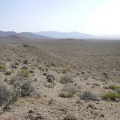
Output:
x,y
85,16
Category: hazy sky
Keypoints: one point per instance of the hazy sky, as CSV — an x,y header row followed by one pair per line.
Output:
x,y
85,16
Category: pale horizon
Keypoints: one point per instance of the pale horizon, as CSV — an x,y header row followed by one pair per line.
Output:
x,y
96,17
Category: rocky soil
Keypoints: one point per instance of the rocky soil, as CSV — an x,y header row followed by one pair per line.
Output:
x,y
83,65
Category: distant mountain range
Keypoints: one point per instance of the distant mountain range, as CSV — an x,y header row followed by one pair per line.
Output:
x,y
55,34
58,35
22,34
77,35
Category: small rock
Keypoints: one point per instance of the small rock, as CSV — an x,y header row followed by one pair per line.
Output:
x,y
8,73
90,105
31,111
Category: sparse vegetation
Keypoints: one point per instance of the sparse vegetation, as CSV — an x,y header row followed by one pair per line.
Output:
x,y
105,75
66,79
4,94
111,96
91,75
113,87
68,91
87,95
24,73
3,67
70,116
25,62
24,86
65,71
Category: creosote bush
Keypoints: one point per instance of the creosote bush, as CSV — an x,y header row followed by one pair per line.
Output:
x,y
66,79
111,96
87,95
3,66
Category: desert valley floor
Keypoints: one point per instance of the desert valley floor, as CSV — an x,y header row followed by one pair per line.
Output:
x,y
59,80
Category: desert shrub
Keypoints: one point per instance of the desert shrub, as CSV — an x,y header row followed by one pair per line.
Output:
x,y
26,88
111,96
68,90
65,94
87,95
16,79
15,94
70,116
105,75
66,79
16,63
25,62
3,66
113,87
24,73
64,71
4,94
117,90
23,85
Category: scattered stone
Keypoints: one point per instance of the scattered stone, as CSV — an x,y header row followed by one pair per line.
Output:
x,y
30,111
50,78
8,72
90,105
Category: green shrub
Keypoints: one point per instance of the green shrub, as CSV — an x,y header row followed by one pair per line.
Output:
x,y
70,116
3,66
24,73
111,96
113,87
66,94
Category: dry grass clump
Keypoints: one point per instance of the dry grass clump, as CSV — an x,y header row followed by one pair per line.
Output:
x,y
70,116
24,73
3,66
113,87
68,90
87,95
66,79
